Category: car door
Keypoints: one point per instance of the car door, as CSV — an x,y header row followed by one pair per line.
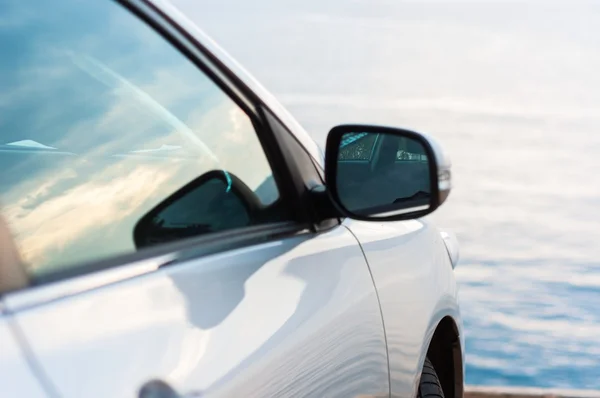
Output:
x,y
163,224
16,376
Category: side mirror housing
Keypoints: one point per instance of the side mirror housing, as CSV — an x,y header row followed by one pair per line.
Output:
x,y
376,173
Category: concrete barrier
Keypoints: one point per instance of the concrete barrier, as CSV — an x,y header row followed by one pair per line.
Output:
x,y
526,392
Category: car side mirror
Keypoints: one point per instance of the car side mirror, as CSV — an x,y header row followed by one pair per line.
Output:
x,y
379,173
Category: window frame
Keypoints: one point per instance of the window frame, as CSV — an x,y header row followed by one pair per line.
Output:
x,y
285,173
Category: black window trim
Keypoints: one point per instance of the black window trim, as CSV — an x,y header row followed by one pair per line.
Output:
x,y
196,247
305,174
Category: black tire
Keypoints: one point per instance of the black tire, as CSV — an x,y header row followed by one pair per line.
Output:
x,y
429,386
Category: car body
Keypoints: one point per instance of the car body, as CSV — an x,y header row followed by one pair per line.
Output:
x,y
305,299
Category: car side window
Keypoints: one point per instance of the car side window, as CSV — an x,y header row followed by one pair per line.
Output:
x,y
111,140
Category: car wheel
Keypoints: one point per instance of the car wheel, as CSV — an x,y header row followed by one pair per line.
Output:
x,y
429,386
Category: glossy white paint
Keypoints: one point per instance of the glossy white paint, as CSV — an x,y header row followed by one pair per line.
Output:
x,y
414,278
70,287
16,376
452,246
443,164
296,317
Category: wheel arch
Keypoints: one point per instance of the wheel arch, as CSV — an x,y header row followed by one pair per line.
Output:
x,y
446,354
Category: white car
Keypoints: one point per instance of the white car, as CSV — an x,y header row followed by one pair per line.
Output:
x,y
169,230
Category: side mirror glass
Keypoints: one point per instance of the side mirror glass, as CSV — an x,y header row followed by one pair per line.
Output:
x,y
381,173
